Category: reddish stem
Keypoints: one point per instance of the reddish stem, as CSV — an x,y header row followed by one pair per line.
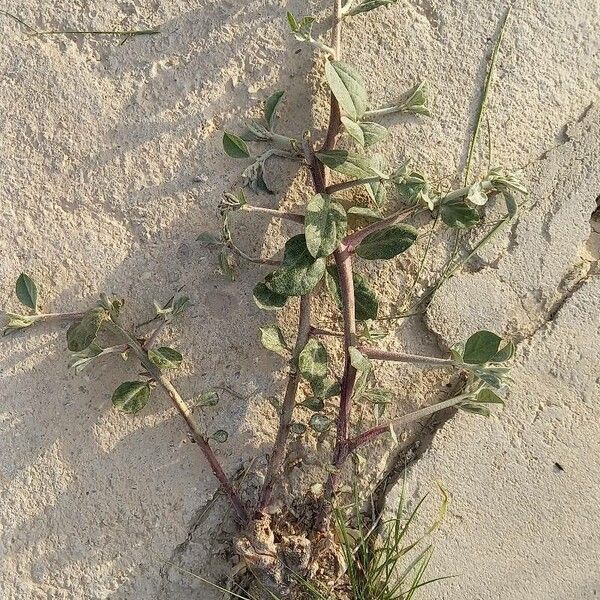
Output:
x,y
287,410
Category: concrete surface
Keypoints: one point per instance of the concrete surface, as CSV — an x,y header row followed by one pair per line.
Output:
x,y
111,165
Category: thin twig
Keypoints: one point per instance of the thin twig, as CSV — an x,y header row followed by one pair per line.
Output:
x,y
185,411
484,96
375,432
289,402
414,359
279,214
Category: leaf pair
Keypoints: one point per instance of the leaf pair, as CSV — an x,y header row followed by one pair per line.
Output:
x,y
483,347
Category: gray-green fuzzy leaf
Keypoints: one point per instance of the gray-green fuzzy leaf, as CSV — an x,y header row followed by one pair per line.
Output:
x,y
459,214
365,300
368,5
299,272
387,243
80,335
364,132
27,291
325,225
365,213
312,361
208,399
487,396
235,146
165,358
348,87
481,347
363,368
320,423
130,397
352,165
267,299
272,339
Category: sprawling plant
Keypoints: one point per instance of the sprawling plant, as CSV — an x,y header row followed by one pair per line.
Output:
x,y
359,209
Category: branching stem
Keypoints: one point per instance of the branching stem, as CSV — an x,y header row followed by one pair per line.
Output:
x,y
278,214
345,185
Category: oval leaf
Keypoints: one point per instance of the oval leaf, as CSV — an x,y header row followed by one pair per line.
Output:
x,y
349,164
387,243
348,88
272,339
320,423
130,397
81,335
312,361
459,214
235,146
481,347
325,225
268,300
299,272
165,358
220,436
27,291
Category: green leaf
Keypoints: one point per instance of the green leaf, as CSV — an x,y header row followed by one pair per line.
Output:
x,y
352,165
17,322
253,176
325,225
365,213
476,409
417,102
268,300
325,388
314,404
378,396
320,423
208,398
208,239
272,339
130,397
348,87
235,146
312,361
387,243
459,214
302,29
505,353
377,190
298,428
165,358
486,396
368,5
363,368
481,347
80,360
365,300
511,205
220,436
27,291
299,272
365,133
81,335
271,106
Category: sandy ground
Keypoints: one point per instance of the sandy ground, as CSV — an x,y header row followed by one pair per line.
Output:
x,y
112,164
